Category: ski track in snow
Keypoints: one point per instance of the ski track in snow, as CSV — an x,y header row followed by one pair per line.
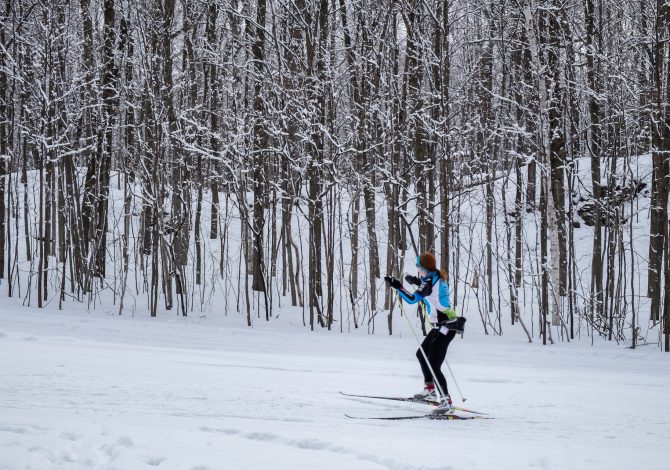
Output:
x,y
71,449
313,444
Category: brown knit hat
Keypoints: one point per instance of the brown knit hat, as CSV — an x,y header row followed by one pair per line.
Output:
x,y
428,261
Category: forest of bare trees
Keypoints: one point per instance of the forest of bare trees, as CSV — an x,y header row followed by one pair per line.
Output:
x,y
158,154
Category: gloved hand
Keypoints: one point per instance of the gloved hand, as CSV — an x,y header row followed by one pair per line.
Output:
x,y
393,282
414,280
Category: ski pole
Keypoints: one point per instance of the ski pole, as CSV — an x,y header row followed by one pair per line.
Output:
x,y
440,394
455,382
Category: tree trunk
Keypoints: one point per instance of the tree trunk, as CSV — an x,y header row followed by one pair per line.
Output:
x,y
259,146
4,121
595,149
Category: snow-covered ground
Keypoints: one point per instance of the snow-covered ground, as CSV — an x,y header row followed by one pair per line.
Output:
x,y
80,391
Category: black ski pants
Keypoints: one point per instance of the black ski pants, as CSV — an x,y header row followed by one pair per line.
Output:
x,y
435,346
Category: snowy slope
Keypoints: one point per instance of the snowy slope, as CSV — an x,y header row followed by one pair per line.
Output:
x,y
84,391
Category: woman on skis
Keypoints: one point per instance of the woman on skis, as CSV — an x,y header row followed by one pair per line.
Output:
x,y
433,293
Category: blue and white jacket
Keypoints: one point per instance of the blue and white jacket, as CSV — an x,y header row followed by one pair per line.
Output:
x,y
433,292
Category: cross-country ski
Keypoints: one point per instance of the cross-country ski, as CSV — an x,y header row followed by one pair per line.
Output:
x,y
410,400
429,416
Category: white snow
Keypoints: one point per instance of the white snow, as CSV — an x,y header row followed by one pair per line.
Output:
x,y
99,391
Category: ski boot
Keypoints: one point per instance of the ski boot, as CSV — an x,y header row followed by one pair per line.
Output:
x,y
428,393
445,407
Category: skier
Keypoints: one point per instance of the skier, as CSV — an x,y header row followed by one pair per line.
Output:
x,y
433,292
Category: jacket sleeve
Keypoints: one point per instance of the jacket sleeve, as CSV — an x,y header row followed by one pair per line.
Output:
x,y
421,293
